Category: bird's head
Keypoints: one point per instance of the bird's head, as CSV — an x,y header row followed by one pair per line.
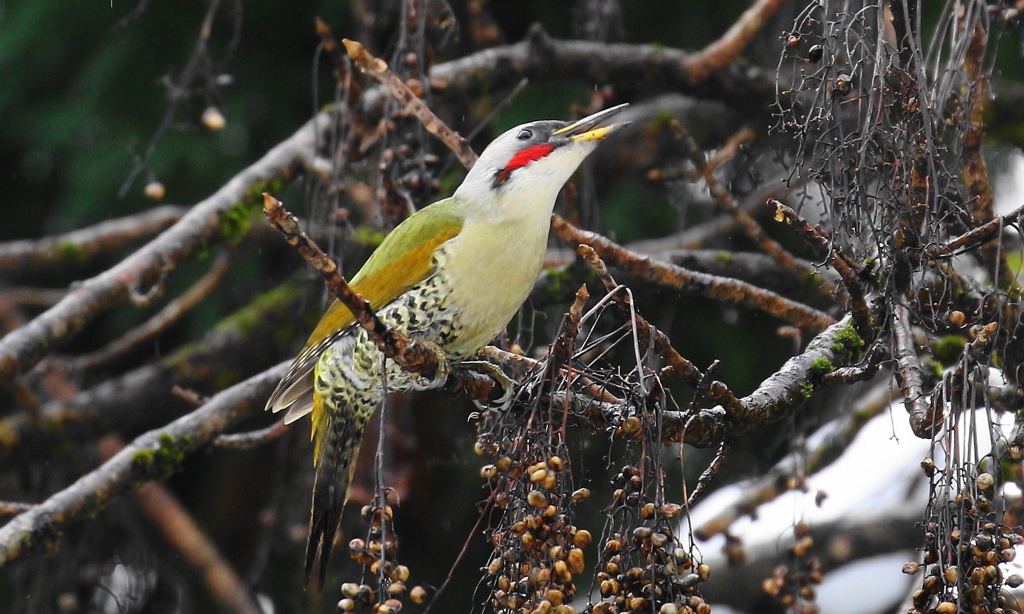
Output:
x,y
535,159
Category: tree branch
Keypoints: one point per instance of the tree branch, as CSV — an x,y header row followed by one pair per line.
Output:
x,y
202,226
152,456
691,282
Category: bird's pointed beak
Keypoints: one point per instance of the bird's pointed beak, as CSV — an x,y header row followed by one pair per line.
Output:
x,y
587,128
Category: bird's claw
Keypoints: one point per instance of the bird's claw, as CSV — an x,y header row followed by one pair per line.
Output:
x,y
494,372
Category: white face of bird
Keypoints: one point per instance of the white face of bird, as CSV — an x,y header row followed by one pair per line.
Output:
x,y
531,162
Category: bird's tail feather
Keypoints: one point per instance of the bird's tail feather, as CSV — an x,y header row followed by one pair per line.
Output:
x,y
335,465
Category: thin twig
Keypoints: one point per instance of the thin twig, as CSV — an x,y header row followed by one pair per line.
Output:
x,y
976,237
744,220
727,49
252,439
820,240
167,316
692,282
378,69
680,366
411,355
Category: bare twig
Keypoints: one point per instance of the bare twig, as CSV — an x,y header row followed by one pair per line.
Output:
x,y
252,439
979,236
708,476
819,239
726,50
691,282
410,355
167,316
378,69
744,220
682,367
10,508
154,455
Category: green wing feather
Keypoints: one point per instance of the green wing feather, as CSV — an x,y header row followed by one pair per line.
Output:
x,y
403,259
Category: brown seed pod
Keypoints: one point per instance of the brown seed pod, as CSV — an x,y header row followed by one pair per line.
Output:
x,y
641,534
580,494
561,571
582,538
556,463
537,499
155,190
418,595
347,604
213,120
495,566
575,561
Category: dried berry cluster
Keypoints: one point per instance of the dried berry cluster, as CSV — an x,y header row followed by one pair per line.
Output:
x,y
538,551
962,572
964,545
644,567
377,556
793,585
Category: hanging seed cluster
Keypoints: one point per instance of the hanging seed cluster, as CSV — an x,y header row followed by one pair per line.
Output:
x,y
644,567
961,566
389,591
538,552
793,585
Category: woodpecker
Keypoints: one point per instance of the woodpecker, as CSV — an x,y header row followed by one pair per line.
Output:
x,y
451,276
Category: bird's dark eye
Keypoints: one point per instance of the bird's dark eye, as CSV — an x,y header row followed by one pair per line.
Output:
x,y
525,134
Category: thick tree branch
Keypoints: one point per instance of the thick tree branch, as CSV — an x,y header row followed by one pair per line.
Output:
x,y
775,398
624,67
33,256
152,456
249,340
